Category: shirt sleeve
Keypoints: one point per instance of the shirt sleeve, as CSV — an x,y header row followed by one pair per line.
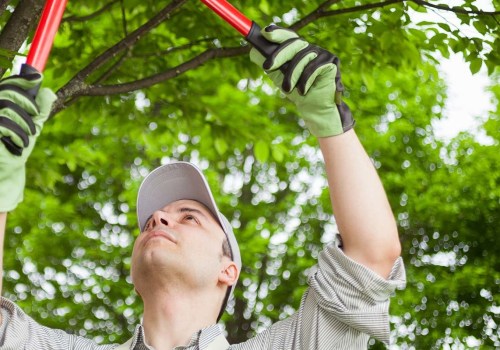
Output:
x,y
352,294
345,304
19,331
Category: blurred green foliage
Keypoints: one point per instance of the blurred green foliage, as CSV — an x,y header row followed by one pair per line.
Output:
x,y
68,244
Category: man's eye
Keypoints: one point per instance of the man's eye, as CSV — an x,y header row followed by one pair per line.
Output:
x,y
189,218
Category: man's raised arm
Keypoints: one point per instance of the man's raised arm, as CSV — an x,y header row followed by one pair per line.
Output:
x,y
21,120
310,77
362,212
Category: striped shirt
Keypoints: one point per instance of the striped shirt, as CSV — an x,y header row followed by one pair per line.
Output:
x,y
345,305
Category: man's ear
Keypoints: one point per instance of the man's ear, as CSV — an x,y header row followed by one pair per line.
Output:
x,y
229,273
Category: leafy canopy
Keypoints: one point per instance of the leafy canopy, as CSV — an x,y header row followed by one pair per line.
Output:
x,y
143,82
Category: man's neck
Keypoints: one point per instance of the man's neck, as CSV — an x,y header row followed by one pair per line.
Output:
x,y
170,319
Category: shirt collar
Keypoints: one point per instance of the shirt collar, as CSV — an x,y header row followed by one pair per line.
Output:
x,y
207,335
202,338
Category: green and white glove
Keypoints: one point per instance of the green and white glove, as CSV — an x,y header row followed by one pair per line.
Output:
x,y
21,120
309,76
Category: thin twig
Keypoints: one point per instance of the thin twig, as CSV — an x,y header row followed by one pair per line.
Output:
x,y
316,14
456,9
90,16
361,8
112,69
124,19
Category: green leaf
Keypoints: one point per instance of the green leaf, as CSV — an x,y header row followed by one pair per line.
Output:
x,y
261,151
445,26
425,23
5,63
445,51
438,39
264,7
368,80
220,146
475,65
278,152
417,33
417,7
480,26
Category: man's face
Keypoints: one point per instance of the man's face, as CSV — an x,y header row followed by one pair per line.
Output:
x,y
180,244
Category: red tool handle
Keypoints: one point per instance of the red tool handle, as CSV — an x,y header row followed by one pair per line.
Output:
x,y
230,15
45,33
245,26
39,52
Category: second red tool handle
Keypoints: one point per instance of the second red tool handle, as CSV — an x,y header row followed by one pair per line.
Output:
x,y
45,33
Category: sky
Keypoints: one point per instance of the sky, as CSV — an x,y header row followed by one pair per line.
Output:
x,y
468,100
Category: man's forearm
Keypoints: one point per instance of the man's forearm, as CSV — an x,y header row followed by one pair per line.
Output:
x,y
362,211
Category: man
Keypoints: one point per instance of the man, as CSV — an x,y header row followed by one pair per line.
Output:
x,y
186,260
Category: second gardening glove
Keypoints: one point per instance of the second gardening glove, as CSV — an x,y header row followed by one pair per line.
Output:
x,y
310,79
21,120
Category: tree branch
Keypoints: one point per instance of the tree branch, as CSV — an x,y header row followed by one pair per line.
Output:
x,y
119,62
455,9
77,84
76,87
99,90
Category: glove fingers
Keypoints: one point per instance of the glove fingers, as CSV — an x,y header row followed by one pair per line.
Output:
x,y
12,130
284,53
274,34
18,115
25,82
296,68
19,96
304,85
322,64
11,147
277,34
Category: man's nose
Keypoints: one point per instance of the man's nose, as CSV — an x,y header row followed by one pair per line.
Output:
x,y
160,217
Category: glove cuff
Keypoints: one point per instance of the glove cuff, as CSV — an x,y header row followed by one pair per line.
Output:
x,y
331,121
11,188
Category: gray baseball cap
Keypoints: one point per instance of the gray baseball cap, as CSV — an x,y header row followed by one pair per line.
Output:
x,y
182,180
